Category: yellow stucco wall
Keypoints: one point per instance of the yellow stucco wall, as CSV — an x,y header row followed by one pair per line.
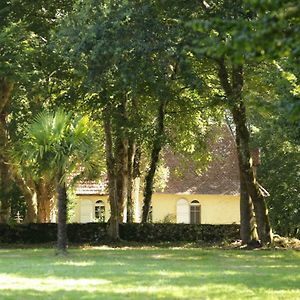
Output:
x,y
215,209
93,199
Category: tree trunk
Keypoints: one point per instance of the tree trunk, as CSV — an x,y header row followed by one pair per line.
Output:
x,y
45,195
246,170
157,146
6,88
233,90
136,180
62,218
5,191
31,208
121,164
121,159
130,196
248,224
113,230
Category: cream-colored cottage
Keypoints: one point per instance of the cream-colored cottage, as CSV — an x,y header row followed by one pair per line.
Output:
x,y
209,198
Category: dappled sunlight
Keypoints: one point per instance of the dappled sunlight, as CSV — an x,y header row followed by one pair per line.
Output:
x,y
49,283
75,263
109,273
161,256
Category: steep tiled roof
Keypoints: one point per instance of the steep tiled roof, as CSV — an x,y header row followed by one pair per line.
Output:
x,y
220,177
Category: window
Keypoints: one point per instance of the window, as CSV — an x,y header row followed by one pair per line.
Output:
x,y
100,211
195,212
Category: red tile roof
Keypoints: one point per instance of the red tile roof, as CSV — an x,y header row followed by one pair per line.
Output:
x,y
91,187
220,177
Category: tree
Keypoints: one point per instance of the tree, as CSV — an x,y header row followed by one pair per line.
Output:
x,y
129,57
216,42
280,154
60,145
25,75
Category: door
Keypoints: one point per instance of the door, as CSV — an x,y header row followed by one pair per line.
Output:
x,y
183,211
86,211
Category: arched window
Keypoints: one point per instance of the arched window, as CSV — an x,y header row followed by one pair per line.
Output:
x,y
100,211
183,211
195,212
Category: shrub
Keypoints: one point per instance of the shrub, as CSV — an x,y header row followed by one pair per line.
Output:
x,y
96,233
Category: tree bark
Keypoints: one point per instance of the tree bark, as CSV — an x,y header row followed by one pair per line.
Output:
x,y
6,88
121,159
136,180
157,146
121,164
113,230
248,225
233,91
5,191
45,193
130,196
246,170
62,218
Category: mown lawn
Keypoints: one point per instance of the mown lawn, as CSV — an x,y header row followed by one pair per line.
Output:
x,y
149,273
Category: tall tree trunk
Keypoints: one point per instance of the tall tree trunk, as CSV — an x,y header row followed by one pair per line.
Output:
x,y
62,218
6,88
157,146
246,170
136,180
233,90
113,230
248,224
121,159
5,191
45,195
121,164
31,208
130,203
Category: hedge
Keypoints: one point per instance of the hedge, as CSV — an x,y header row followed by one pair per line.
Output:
x,y
96,233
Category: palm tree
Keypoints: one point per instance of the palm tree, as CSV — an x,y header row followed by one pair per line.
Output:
x,y
58,145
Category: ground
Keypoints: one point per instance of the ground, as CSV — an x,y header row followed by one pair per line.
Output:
x,y
149,273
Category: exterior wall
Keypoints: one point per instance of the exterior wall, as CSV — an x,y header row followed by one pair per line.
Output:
x,y
92,198
215,209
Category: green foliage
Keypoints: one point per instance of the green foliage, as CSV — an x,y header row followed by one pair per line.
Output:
x,y
278,138
279,172
58,144
96,233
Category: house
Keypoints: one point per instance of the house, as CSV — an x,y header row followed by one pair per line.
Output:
x,y
211,197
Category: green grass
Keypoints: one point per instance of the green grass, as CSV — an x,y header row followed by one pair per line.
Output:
x,y
149,273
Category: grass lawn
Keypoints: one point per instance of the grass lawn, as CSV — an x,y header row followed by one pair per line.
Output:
x,y
149,273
